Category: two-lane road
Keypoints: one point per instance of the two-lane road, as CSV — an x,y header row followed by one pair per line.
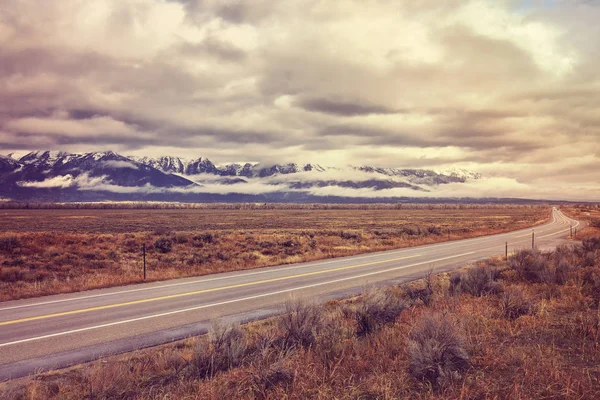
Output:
x,y
56,331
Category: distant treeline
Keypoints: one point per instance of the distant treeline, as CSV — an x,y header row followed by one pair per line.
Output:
x,y
260,206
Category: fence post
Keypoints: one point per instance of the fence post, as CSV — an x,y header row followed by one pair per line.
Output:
x,y
533,239
506,251
144,251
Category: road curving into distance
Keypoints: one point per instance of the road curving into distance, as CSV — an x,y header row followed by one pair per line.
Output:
x,y
56,331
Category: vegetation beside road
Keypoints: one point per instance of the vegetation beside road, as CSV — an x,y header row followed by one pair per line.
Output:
x,y
527,327
46,252
589,213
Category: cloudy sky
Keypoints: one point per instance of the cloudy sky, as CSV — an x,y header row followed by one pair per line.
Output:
x,y
510,89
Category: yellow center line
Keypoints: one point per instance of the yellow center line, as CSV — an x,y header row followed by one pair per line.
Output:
x,y
529,234
173,296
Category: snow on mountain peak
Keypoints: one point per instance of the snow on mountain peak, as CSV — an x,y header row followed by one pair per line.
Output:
x,y
17,155
459,173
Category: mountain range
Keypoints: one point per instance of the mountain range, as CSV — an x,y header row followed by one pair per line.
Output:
x,y
96,176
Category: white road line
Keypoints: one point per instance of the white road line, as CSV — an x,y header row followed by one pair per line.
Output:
x,y
282,268
89,328
563,231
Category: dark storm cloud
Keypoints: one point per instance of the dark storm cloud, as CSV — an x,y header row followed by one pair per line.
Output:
x,y
375,135
235,11
343,108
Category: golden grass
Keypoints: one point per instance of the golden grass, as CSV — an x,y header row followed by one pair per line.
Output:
x,y
46,252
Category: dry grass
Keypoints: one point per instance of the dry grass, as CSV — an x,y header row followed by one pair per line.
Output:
x,y
529,339
585,212
53,251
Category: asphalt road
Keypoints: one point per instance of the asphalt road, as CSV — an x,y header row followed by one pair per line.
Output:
x,y
57,331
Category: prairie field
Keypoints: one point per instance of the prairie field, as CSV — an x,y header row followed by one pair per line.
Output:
x,y
523,328
44,251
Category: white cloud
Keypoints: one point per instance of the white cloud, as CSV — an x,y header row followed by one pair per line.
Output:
x,y
62,182
119,164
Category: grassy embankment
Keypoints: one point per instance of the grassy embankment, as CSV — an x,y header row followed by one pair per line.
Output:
x,y
54,251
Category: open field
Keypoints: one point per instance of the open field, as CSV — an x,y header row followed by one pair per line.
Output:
x,y
53,251
528,327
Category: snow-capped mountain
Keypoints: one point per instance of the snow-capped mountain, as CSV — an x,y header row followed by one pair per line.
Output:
x,y
166,164
394,177
111,168
459,173
203,165
108,175
8,164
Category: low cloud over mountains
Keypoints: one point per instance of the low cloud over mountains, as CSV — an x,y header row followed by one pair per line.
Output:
x,y
66,176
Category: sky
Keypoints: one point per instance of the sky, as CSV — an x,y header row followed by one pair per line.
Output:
x,y
509,89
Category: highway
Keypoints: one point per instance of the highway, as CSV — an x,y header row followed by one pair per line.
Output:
x,y
56,331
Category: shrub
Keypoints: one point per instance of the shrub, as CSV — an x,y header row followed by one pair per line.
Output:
x,y
205,237
477,281
532,266
132,245
230,342
163,244
351,236
11,274
562,252
97,264
411,231
197,259
265,378
589,260
591,285
268,368
180,238
89,256
515,303
434,230
376,308
562,272
291,243
225,349
437,351
454,287
425,295
331,340
9,243
161,230
591,244
266,244
300,324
